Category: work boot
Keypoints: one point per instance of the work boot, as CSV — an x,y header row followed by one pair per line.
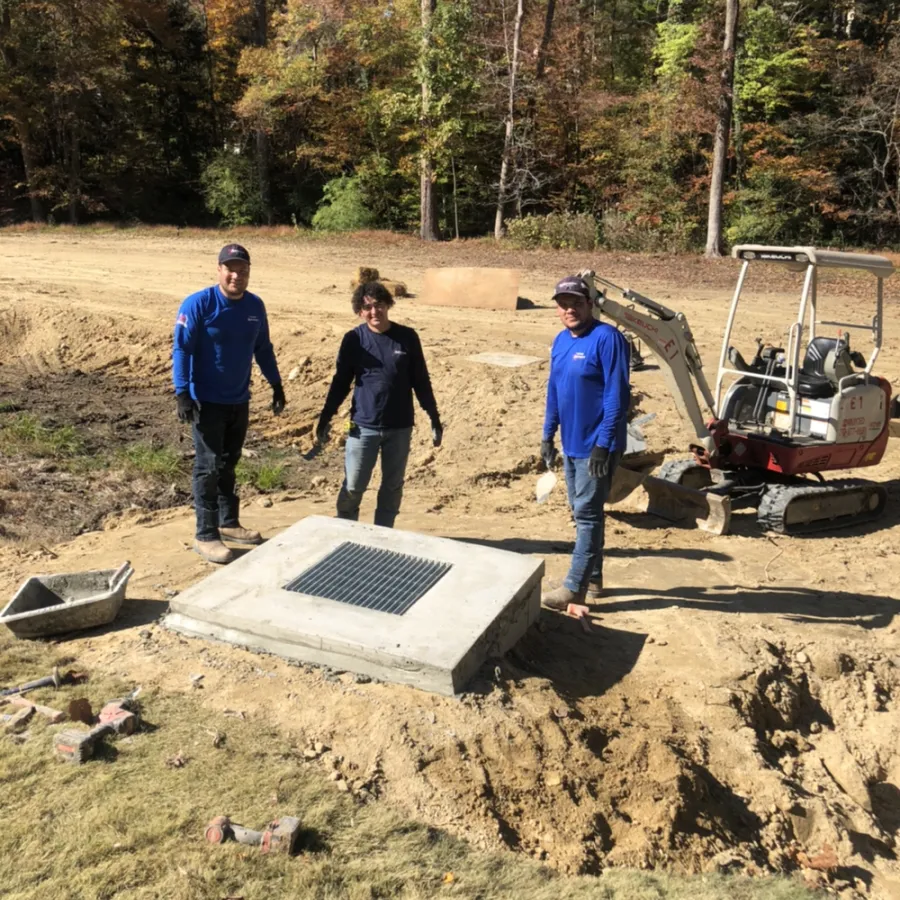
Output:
x,y
561,598
213,551
240,535
595,588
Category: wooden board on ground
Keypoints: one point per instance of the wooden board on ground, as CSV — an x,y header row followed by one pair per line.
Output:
x,y
479,288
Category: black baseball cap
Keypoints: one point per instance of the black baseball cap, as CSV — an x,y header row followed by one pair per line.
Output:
x,y
572,284
233,251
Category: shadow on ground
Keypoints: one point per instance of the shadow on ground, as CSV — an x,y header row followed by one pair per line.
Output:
x,y
798,603
578,664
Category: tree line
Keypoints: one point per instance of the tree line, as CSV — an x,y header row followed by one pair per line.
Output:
x,y
635,124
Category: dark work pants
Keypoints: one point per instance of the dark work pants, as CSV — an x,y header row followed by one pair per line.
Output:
x,y
219,432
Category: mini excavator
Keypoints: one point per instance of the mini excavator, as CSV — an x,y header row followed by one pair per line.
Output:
x,y
776,424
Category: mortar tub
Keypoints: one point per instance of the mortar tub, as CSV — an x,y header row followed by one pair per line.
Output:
x,y
54,604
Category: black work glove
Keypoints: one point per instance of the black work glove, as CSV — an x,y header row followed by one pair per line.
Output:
x,y
186,407
437,432
322,432
548,453
278,400
598,466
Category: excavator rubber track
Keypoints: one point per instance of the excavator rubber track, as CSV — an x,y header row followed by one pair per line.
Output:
x,y
809,508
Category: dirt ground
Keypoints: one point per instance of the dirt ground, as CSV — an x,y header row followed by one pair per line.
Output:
x,y
735,709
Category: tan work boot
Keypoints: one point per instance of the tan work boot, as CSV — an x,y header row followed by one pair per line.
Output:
x,y
561,598
240,535
213,551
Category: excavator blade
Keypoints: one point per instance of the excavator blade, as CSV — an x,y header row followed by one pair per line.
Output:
x,y
683,505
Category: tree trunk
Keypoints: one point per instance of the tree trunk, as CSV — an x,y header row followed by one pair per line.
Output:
x,y
428,229
723,125
74,175
24,133
510,122
260,136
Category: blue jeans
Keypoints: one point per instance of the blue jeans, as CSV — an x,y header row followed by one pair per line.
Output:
x,y
219,431
586,498
361,454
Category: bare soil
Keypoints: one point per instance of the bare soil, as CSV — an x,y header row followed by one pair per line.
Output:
x,y
735,708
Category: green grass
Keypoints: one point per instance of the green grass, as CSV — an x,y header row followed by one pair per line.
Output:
x,y
128,826
265,474
25,433
154,462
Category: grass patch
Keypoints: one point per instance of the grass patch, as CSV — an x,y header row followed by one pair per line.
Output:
x,y
128,826
265,474
153,462
24,433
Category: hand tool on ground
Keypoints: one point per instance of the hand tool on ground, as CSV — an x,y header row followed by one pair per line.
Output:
x,y
54,715
53,679
78,746
121,714
281,836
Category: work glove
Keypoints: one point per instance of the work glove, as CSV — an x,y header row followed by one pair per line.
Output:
x,y
437,432
598,465
186,407
548,453
322,432
278,400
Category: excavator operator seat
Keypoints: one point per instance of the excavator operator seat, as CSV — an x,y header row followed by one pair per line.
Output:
x,y
826,362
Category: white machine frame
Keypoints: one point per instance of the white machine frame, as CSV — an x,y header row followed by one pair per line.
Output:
x,y
799,259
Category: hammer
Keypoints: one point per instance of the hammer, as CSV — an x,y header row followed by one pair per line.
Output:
x,y
54,679
78,746
282,835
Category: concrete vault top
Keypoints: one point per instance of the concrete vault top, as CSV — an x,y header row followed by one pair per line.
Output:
x,y
479,608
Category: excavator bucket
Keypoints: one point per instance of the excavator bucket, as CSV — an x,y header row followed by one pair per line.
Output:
x,y
683,505
631,472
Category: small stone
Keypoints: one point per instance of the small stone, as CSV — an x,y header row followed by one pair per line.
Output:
x,y
802,658
318,481
19,720
144,634
815,727
343,786
294,373
362,679
662,643
265,502
319,747
309,753
195,681
553,779
335,776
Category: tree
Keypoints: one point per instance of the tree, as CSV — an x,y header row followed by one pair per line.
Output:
x,y
509,129
428,199
723,128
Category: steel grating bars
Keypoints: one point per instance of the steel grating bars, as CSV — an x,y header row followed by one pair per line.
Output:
x,y
369,577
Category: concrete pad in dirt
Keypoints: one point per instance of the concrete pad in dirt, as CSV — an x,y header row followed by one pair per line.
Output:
x,y
477,602
473,287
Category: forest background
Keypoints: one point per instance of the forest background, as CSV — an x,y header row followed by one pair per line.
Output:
x,y
565,123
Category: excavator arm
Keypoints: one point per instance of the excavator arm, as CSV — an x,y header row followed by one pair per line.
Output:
x,y
667,335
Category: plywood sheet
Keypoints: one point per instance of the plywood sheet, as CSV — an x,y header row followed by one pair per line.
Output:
x,y
476,288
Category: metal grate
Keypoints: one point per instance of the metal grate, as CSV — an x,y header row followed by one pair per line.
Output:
x,y
369,577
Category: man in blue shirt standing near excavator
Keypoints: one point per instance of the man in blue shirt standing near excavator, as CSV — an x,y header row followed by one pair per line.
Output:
x,y
218,332
588,398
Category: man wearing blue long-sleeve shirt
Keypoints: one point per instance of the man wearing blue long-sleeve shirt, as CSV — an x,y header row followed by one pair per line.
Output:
x,y
387,365
588,397
218,332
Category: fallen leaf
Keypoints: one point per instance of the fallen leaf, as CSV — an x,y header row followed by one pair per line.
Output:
x,y
448,878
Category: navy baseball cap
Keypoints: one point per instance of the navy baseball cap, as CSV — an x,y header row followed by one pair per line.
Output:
x,y
572,284
233,251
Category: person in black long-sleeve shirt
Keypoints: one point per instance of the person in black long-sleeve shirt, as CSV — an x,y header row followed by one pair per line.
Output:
x,y
387,365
